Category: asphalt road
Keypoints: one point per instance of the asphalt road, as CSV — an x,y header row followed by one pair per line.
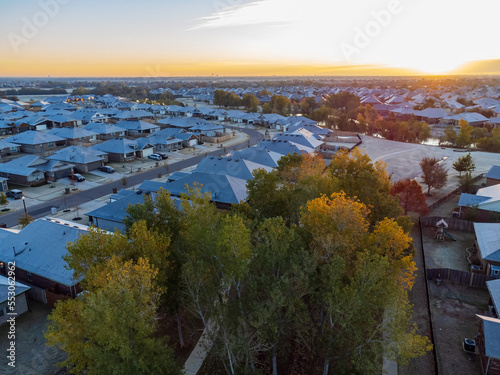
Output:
x,y
43,209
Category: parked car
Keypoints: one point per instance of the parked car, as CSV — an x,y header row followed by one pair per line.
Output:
x,y
106,169
163,155
15,193
77,177
155,157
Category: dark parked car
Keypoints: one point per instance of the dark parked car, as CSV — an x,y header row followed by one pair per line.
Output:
x,y
77,177
106,169
163,155
15,193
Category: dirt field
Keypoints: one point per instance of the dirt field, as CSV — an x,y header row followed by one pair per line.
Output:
x,y
447,253
454,309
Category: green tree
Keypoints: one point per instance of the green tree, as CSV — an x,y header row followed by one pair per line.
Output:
x,y
3,200
464,136
281,105
266,108
250,102
24,220
110,328
434,174
464,164
467,183
450,135
357,176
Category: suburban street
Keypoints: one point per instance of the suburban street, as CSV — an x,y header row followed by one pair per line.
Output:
x,y
75,199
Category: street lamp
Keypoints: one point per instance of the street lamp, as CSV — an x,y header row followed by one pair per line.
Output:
x,y
24,204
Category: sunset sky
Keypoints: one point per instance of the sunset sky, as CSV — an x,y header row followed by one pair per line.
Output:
x,y
246,37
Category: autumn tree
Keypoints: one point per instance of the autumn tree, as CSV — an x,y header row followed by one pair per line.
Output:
x,y
250,102
3,200
411,197
464,164
434,174
363,280
464,135
450,136
111,327
281,105
355,174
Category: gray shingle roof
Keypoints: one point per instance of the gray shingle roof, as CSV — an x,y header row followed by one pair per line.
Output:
x,y
488,239
31,137
78,155
494,289
4,288
491,329
40,248
494,172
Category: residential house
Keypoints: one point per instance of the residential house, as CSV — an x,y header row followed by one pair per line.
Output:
x,y
20,292
134,115
258,155
485,205
494,302
487,243
122,149
84,159
488,343
105,131
493,176
224,190
38,251
63,121
33,142
110,216
8,148
473,118
240,168
74,136
138,128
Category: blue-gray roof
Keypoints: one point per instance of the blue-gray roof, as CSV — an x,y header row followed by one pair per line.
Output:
x,y
494,172
31,137
40,248
116,211
494,289
488,240
230,166
222,188
284,147
491,331
102,128
78,155
72,132
471,200
258,155
136,125
4,288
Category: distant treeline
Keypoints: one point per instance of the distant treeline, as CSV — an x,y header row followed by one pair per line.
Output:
x,y
34,91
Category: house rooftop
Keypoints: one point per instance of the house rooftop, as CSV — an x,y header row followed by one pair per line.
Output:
x,y
491,330
488,239
494,172
40,246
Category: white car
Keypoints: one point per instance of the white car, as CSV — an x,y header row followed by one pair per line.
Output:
x,y
155,157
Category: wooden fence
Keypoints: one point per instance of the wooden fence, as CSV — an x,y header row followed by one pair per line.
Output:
x,y
453,223
477,280
451,194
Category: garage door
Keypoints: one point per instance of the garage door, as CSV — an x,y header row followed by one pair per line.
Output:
x,y
147,151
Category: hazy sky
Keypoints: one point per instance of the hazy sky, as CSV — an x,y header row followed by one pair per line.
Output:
x,y
243,37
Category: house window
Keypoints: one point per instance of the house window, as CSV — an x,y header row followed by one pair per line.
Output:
x,y
28,275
